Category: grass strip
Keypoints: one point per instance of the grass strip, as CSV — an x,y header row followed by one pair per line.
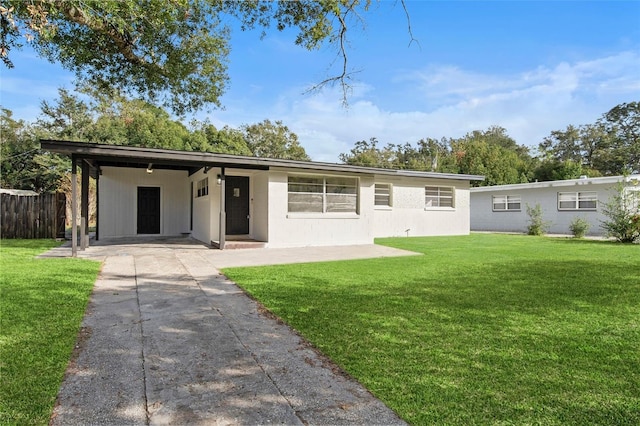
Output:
x,y
42,303
481,329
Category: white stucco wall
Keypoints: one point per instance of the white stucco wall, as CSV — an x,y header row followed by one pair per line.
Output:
x,y
259,222
408,216
407,212
118,200
317,229
483,218
270,220
206,222
202,211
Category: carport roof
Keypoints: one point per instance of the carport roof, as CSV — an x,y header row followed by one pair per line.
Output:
x,y
129,156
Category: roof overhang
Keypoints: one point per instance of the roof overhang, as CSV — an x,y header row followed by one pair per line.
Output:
x,y
607,180
128,156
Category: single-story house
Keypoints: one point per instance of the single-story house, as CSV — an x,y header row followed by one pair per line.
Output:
x,y
282,203
503,208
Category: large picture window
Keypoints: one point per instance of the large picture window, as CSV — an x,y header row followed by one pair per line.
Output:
x,y
505,203
586,200
382,195
319,194
438,196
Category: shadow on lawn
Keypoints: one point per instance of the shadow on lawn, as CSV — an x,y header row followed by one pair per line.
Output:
x,y
531,286
529,341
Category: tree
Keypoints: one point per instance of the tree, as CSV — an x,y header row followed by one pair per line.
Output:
x,y
622,123
138,123
563,145
367,154
493,154
611,146
623,214
273,140
176,54
553,169
67,118
223,141
24,165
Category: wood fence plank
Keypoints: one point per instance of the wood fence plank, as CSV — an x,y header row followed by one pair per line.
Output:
x,y
31,216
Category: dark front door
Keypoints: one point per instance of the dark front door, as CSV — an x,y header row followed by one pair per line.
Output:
x,y
237,204
148,210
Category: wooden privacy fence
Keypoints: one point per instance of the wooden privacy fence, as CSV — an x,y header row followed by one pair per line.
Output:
x,y
33,216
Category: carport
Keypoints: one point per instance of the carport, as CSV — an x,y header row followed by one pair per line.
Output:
x,y
91,157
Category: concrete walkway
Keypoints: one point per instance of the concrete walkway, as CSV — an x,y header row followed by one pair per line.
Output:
x,y
167,339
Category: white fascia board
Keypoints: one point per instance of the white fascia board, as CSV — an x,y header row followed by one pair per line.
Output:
x,y
557,183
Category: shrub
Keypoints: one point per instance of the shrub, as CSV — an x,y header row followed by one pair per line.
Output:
x,y
623,211
537,225
579,227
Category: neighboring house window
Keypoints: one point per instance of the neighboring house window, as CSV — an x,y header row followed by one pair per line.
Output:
x,y
506,203
586,200
203,188
438,196
632,199
319,194
383,194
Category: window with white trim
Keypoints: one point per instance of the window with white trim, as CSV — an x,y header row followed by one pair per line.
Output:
x,y
438,196
382,195
632,199
506,203
322,194
585,200
203,187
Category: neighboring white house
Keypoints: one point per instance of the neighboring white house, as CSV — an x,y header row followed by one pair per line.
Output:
x,y
282,203
502,208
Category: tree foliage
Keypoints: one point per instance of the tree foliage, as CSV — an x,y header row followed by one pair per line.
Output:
x,y
623,214
23,164
273,140
174,54
117,120
611,146
491,153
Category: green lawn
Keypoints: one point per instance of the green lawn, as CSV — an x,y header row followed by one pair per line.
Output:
x,y
481,329
42,302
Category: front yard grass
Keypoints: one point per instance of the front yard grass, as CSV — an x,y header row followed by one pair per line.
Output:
x,y
42,302
481,329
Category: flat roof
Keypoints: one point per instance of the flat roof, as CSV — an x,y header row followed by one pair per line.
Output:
x,y
130,156
558,183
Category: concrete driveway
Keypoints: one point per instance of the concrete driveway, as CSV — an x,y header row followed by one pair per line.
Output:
x,y
167,339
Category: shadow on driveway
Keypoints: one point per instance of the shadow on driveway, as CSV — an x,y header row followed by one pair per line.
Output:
x,y
167,339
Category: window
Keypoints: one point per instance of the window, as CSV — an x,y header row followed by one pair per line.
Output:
x,y
577,200
438,196
382,194
506,203
313,194
203,188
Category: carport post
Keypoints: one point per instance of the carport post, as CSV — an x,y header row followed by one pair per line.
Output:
x,y
84,206
74,207
223,208
98,171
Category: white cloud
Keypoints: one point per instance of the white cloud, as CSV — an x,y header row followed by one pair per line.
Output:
x,y
529,105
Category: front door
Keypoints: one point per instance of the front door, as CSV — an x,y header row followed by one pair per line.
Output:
x,y
148,210
237,204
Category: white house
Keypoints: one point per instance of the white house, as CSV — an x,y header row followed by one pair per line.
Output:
x,y
502,208
282,203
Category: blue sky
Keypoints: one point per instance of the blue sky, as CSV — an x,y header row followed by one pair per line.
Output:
x,y
530,67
